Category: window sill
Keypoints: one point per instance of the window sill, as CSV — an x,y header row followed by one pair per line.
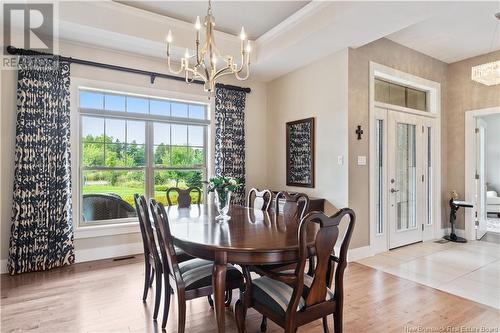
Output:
x,y
82,232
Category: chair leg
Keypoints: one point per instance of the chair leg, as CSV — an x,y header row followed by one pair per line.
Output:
x,y
289,328
181,312
152,277
263,324
240,315
337,322
147,277
229,298
157,294
166,305
325,325
210,301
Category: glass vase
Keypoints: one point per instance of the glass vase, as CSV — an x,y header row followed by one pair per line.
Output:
x,y
222,201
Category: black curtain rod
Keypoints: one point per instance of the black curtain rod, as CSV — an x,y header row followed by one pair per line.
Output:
x,y
228,86
153,75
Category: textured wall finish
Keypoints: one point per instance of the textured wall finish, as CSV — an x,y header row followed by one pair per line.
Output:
x,y
463,95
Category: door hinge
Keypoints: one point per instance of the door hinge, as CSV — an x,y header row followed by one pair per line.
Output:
x,y
423,129
422,227
476,176
422,178
476,222
476,130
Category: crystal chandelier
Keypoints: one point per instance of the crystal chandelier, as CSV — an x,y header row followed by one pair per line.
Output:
x,y
203,64
488,74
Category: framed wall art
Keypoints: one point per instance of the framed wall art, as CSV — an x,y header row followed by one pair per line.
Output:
x,y
300,153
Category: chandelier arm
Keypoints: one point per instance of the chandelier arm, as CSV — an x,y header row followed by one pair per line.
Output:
x,y
188,81
172,70
236,74
230,72
222,70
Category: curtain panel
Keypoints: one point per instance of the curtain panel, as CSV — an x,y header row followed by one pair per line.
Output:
x,y
41,230
230,137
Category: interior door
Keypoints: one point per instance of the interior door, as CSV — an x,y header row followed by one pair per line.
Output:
x,y
480,204
405,177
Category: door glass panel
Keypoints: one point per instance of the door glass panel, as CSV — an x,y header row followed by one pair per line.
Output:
x,y
406,177
379,175
429,176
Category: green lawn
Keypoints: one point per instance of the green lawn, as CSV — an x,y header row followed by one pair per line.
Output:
x,y
127,193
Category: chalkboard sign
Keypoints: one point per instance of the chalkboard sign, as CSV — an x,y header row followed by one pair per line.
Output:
x,y
300,153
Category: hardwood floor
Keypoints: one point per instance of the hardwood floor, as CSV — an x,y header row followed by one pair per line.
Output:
x,y
105,296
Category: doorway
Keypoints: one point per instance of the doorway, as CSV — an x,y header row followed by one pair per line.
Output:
x,y
482,173
405,176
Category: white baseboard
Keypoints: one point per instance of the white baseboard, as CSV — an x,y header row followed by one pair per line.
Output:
x,y
107,252
359,253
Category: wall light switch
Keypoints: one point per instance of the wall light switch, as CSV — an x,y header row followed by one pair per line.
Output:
x,y
340,160
361,160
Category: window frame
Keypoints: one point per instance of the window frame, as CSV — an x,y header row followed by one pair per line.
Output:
x,y
149,168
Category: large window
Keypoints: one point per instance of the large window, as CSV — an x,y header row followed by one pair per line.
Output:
x,y
133,144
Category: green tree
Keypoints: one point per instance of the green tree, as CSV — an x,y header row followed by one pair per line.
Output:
x,y
194,179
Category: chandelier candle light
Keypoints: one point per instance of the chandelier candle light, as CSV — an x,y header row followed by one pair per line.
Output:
x,y
205,60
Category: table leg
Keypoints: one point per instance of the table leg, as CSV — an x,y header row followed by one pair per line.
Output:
x,y
219,285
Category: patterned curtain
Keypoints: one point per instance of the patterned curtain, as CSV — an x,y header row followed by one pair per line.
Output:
x,y
41,231
230,137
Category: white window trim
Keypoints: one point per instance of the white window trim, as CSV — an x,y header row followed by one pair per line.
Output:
x,y
77,83
380,242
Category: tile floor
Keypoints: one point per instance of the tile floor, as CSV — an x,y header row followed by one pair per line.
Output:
x,y
470,270
493,224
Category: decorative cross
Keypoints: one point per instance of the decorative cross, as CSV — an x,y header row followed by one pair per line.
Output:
x,y
359,131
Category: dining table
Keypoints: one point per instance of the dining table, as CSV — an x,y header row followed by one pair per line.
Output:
x,y
249,237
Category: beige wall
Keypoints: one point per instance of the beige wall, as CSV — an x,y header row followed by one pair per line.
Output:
x,y
393,55
255,113
318,90
463,95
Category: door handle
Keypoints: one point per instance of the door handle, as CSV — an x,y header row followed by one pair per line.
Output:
x,y
394,190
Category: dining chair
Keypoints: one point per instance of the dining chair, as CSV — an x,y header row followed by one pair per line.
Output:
x,y
292,298
294,207
190,279
262,199
151,254
153,264
184,199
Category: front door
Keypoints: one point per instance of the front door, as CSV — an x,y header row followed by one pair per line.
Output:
x,y
407,161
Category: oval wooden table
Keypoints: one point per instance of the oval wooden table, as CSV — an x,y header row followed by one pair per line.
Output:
x,y
250,237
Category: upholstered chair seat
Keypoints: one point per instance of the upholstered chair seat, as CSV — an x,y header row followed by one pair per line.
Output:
x,y
277,295
197,273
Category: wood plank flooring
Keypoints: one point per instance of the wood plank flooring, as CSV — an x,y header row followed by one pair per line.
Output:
x,y
105,296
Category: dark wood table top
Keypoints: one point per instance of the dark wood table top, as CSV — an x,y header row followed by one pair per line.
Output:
x,y
248,230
